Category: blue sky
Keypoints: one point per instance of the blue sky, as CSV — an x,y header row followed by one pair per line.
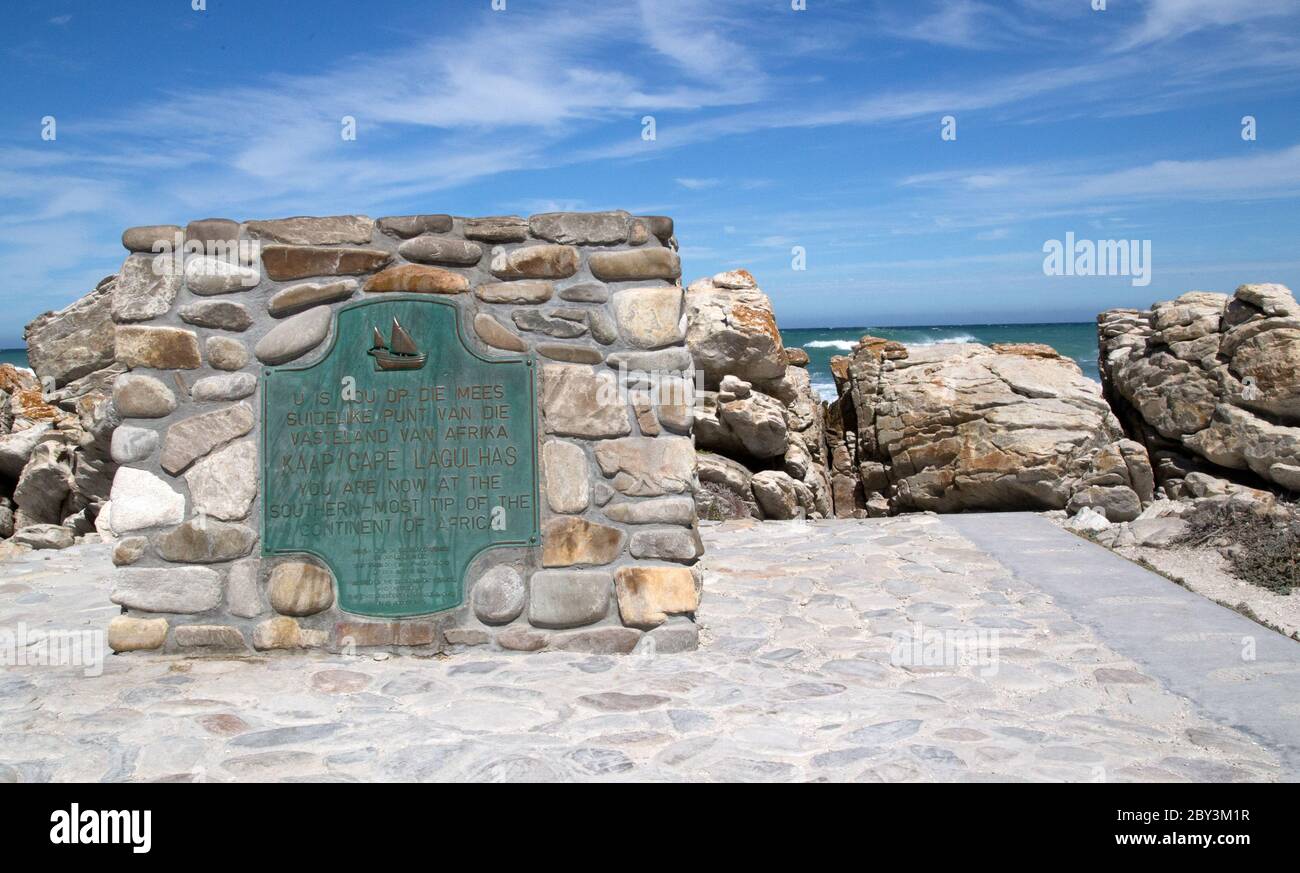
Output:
x,y
775,128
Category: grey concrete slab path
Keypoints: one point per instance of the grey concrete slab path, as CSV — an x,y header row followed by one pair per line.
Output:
x,y
1234,671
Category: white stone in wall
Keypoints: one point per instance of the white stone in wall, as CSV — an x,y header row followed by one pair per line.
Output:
x,y
224,484
142,500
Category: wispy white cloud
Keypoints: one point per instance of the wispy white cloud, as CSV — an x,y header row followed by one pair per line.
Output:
x,y
1170,19
697,184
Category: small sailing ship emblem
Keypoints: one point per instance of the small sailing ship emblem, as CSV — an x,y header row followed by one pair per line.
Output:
x,y
399,354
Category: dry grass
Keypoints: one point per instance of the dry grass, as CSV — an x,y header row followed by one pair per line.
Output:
x,y
1263,550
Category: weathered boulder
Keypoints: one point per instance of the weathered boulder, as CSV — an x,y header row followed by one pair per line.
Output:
x,y
1209,382
76,340
45,485
752,426
963,426
760,412
732,331
45,536
725,488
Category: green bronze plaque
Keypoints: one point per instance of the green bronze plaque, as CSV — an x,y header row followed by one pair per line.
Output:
x,y
399,456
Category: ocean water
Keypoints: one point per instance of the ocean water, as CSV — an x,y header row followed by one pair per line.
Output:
x,y
1077,340
17,357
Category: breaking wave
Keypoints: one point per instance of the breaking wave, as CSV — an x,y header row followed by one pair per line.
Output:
x,y
842,345
959,338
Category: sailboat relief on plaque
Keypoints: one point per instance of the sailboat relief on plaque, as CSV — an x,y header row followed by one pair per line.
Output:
x,y
399,353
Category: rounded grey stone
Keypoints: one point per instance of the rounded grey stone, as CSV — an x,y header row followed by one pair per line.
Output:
x,y
499,595
568,598
295,336
585,292
208,275
405,226
219,314
297,298
133,444
441,250
602,327
145,237
137,396
230,386
226,353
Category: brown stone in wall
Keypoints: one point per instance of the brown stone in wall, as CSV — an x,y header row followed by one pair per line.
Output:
x,y
309,231
527,291
497,335
648,595
302,262
659,225
212,230
418,278
635,264
407,226
157,348
648,466
497,228
569,541
579,402
298,588
129,634
536,262
581,228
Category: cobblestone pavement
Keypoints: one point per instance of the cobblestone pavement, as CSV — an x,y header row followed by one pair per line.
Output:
x,y
881,650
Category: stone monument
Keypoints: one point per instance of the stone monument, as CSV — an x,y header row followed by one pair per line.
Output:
x,y
418,433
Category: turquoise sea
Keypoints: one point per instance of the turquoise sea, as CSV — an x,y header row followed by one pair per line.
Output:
x,y
1077,340
17,357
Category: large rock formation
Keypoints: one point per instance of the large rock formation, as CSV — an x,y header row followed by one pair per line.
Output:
x,y
75,341
1210,383
759,423
963,426
56,427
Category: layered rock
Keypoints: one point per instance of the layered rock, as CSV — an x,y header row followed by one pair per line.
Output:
x,y
56,425
1209,383
758,421
963,426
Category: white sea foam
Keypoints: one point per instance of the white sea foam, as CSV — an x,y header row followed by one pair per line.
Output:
x,y
959,338
826,390
843,345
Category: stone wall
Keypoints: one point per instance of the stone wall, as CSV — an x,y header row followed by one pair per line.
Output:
x,y
594,298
